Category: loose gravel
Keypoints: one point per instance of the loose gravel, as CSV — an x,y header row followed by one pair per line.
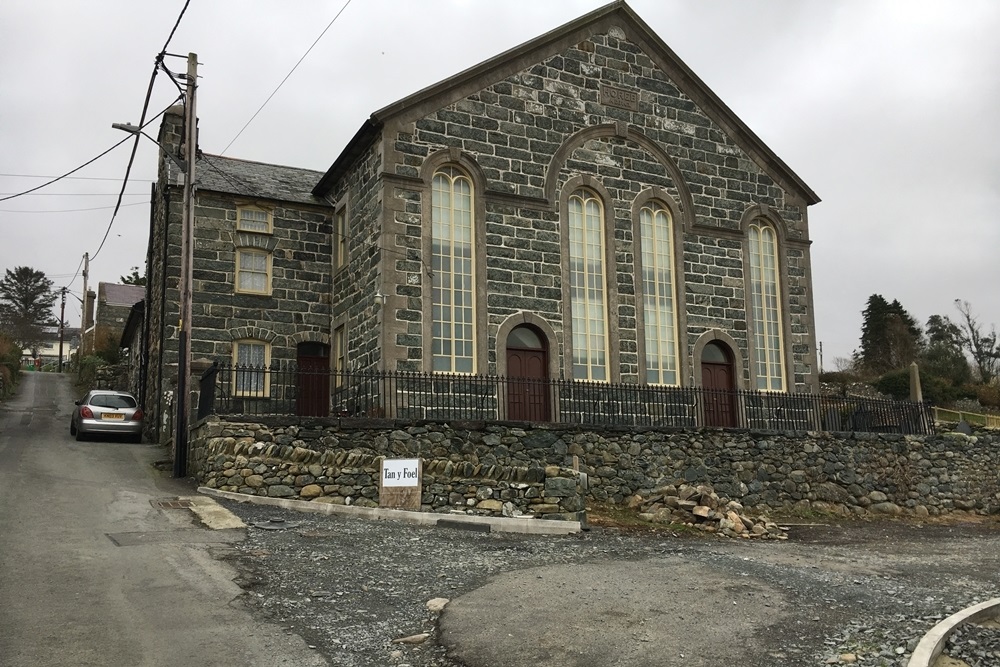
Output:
x,y
851,593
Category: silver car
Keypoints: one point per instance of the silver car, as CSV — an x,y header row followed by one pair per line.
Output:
x,y
107,412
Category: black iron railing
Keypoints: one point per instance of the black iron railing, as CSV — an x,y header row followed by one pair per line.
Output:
x,y
289,390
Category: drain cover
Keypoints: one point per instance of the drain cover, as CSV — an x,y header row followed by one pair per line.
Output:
x,y
170,503
276,524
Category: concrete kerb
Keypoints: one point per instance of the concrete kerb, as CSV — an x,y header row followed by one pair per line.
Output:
x,y
932,644
526,525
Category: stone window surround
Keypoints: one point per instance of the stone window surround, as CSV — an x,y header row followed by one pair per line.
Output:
x,y
756,214
455,158
662,197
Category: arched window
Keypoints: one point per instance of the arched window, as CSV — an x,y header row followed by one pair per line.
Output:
x,y
658,299
588,298
453,346
765,292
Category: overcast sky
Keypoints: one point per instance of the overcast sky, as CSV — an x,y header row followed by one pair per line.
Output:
x,y
888,110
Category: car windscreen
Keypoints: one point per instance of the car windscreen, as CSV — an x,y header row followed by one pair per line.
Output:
x,y
112,401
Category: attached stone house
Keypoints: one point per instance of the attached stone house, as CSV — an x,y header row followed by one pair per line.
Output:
x,y
579,207
114,303
261,278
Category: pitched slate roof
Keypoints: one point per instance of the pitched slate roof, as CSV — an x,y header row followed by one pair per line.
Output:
x,y
121,295
257,180
501,66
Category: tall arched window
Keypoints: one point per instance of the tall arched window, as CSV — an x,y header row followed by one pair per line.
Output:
x,y
453,301
658,299
588,298
766,304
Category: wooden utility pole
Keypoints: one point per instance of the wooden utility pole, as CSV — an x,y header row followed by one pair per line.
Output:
x,y
62,326
183,399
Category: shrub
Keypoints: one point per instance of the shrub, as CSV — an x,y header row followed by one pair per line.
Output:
x,y
88,369
989,395
895,384
838,377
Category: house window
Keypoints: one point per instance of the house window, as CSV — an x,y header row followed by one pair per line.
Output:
x,y
253,271
453,333
253,219
588,300
766,307
340,239
339,355
251,359
659,310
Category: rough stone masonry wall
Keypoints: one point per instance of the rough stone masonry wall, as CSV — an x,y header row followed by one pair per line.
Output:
x,y
341,466
502,469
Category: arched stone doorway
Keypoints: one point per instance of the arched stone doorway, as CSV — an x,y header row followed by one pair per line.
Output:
x,y
718,380
527,375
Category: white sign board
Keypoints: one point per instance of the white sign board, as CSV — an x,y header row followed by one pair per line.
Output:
x,y
400,472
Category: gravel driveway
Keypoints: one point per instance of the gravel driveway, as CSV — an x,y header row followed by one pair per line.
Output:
x,y
831,594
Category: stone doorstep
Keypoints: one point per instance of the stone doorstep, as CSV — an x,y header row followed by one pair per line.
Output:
x,y
524,525
933,643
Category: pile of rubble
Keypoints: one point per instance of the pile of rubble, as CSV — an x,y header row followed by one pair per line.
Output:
x,y
700,507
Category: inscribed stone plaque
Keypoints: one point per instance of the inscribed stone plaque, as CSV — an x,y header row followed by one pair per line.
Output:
x,y
619,97
399,483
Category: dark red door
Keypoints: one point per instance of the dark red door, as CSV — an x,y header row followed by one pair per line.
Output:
x,y
718,383
527,376
313,397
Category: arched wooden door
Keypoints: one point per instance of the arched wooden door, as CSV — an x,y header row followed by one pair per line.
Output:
x,y
718,380
527,376
313,397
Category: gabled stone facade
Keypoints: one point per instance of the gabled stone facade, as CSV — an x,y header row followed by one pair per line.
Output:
x,y
603,105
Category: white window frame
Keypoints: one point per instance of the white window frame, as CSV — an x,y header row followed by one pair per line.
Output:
x,y
339,355
249,371
765,304
340,247
248,220
588,287
453,267
659,293
241,271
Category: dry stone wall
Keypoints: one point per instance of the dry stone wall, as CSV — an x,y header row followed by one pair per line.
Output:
x,y
507,469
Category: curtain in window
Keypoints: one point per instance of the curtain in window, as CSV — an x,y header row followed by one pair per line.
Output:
x,y
252,271
251,361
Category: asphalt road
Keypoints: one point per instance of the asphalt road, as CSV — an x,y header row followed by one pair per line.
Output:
x,y
91,573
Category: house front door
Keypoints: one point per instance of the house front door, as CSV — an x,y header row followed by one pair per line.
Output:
x,y
313,380
527,376
718,381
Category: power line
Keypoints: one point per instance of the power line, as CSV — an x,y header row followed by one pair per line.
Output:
x,y
78,178
81,194
72,171
275,91
76,210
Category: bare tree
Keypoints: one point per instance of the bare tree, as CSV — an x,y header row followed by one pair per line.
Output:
x,y
983,347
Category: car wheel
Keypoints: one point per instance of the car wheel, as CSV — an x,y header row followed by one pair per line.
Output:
x,y
137,439
72,428
80,437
